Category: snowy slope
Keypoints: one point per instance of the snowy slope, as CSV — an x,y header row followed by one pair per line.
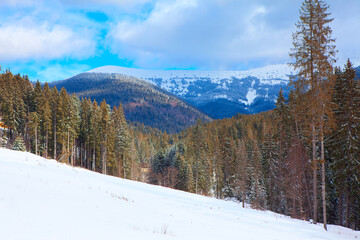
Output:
x,y
272,75
42,199
246,90
178,81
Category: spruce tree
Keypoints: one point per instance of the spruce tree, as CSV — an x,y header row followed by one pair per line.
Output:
x,y
345,143
103,127
45,117
19,144
54,116
314,54
122,141
242,169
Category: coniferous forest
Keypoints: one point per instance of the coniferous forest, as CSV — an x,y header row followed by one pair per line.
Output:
x,y
301,159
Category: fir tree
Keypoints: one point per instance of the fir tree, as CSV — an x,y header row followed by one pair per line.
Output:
x,y
345,143
314,54
19,144
122,141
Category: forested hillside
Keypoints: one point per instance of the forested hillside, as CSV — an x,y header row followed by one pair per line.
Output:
x,y
82,132
300,159
142,102
262,159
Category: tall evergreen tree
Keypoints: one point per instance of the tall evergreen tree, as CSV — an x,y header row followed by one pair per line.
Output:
x,y
345,165
314,54
45,116
104,126
122,141
242,169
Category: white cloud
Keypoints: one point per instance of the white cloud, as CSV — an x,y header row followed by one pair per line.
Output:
x,y
203,33
18,42
225,34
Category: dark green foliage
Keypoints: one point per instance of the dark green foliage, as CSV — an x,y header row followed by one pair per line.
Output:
x,y
19,144
345,143
141,101
260,159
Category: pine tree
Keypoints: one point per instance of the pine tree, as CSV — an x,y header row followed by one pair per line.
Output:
x,y
272,171
54,116
19,144
122,141
103,126
95,134
345,165
85,132
242,170
284,131
228,160
257,187
63,124
45,117
314,54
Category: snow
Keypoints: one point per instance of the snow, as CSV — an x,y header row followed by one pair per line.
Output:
x,y
221,96
280,71
250,96
270,75
43,199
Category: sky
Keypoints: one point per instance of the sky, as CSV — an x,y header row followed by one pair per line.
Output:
x,y
52,40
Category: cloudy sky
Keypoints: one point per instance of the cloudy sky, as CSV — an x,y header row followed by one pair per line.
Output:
x,y
56,39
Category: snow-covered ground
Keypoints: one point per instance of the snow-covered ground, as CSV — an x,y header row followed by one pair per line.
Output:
x,y
42,199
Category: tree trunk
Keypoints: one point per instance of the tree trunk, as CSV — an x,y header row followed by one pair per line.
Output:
x,y
81,154
196,176
103,155
72,153
124,169
314,173
347,208
36,141
55,139
341,207
119,169
68,141
323,190
244,196
47,143
93,161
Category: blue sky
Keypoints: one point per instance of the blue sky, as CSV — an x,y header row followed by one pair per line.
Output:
x,y
56,39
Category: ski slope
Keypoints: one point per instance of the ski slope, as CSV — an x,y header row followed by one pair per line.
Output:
x,y
43,199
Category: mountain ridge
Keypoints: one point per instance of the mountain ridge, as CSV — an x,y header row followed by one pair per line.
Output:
x,y
142,101
246,92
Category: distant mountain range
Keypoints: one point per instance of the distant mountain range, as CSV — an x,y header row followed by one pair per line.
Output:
x,y
142,101
158,98
219,94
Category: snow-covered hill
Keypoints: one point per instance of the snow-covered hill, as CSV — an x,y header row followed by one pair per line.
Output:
x,y
249,91
42,199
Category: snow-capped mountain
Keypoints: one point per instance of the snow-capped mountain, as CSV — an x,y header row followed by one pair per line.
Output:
x,y
217,93
142,101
